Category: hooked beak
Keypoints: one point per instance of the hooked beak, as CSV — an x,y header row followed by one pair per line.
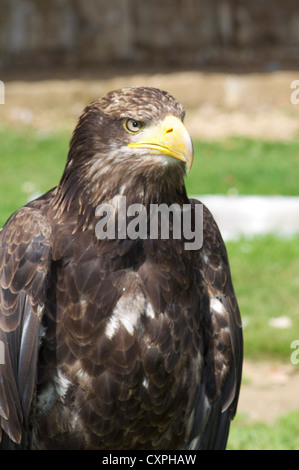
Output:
x,y
170,137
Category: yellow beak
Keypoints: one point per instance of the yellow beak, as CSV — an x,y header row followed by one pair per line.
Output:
x,y
170,137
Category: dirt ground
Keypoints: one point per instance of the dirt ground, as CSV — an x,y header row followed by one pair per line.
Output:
x,y
218,105
269,390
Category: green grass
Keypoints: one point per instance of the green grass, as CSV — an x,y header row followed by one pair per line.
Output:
x,y
244,166
265,273
234,165
30,164
282,435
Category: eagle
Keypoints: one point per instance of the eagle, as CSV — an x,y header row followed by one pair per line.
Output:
x,y
121,342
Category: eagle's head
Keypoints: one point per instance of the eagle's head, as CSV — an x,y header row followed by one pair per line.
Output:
x,y
131,137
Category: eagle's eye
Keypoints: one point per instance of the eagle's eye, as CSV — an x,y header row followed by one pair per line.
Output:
x,y
133,126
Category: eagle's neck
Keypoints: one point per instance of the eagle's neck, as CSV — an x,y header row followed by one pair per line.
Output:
x,y
82,190
152,188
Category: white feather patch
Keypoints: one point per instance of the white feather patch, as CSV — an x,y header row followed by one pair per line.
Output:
x,y
217,306
126,312
149,311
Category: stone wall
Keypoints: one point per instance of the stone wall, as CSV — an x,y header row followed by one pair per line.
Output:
x,y
37,33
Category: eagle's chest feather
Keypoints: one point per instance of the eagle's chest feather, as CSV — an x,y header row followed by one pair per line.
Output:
x,y
127,358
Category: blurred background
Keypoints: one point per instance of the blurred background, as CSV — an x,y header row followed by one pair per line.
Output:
x,y
233,64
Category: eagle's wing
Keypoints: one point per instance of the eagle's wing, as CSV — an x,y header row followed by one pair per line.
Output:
x,y
24,265
223,342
